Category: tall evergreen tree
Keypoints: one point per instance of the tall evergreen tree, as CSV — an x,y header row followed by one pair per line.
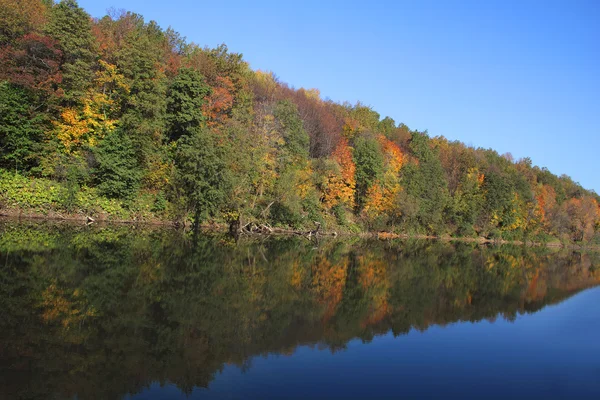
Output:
x,y
21,129
140,61
186,96
201,177
71,26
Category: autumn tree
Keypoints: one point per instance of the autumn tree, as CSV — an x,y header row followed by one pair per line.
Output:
x,y
33,62
578,218
381,203
18,18
99,112
339,181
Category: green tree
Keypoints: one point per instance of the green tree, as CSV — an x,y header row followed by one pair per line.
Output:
x,y
296,139
186,97
71,26
201,178
425,183
116,172
21,129
368,158
141,60
386,127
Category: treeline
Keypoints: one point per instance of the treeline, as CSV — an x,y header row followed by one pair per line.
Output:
x,y
116,117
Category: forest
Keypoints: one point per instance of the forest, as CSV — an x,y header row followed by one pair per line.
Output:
x,y
119,119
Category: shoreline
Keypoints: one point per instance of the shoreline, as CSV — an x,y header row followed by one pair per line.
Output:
x,y
19,214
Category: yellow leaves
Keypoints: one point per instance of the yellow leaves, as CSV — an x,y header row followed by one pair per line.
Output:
x,y
157,174
267,176
71,130
350,128
376,199
109,80
314,94
63,308
297,275
266,79
87,125
516,214
392,153
340,186
328,282
380,199
98,113
305,185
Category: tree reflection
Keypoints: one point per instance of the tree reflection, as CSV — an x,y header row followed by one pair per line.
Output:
x,y
83,306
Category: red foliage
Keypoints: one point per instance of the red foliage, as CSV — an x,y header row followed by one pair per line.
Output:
x,y
20,17
111,32
220,101
320,119
320,122
34,63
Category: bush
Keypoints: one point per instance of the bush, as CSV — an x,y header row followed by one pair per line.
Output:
x,y
281,214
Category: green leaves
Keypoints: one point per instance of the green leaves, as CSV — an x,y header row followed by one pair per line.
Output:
x,y
71,26
116,174
425,184
368,158
201,178
186,96
296,139
21,129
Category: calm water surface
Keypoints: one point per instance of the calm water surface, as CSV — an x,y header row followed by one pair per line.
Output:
x,y
109,312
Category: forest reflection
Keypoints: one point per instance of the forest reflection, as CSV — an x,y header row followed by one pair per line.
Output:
x,y
83,306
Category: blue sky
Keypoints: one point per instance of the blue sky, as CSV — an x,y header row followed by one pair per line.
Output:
x,y
516,76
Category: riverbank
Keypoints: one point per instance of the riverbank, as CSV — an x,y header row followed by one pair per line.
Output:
x,y
32,215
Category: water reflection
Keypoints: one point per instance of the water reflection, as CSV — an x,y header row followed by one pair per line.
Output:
x,y
103,312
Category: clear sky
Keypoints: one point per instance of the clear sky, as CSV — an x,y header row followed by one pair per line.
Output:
x,y
516,76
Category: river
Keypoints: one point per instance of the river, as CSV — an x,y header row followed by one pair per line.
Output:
x,y
130,312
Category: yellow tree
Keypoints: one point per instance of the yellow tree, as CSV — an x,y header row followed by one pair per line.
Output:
x,y
99,113
340,185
